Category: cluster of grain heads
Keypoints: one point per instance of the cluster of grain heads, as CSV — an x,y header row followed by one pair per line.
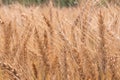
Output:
x,y
10,70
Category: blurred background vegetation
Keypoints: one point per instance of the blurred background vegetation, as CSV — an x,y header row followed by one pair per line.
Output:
x,y
60,3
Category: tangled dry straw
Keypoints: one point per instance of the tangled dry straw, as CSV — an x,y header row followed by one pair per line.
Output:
x,y
79,43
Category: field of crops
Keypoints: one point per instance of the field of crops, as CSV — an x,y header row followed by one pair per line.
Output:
x,y
48,43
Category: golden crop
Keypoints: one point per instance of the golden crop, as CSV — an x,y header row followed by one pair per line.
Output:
x,y
48,43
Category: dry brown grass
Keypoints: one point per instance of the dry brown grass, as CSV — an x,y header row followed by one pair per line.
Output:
x,y
47,43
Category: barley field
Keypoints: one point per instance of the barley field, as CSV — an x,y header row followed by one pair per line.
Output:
x,y
49,43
